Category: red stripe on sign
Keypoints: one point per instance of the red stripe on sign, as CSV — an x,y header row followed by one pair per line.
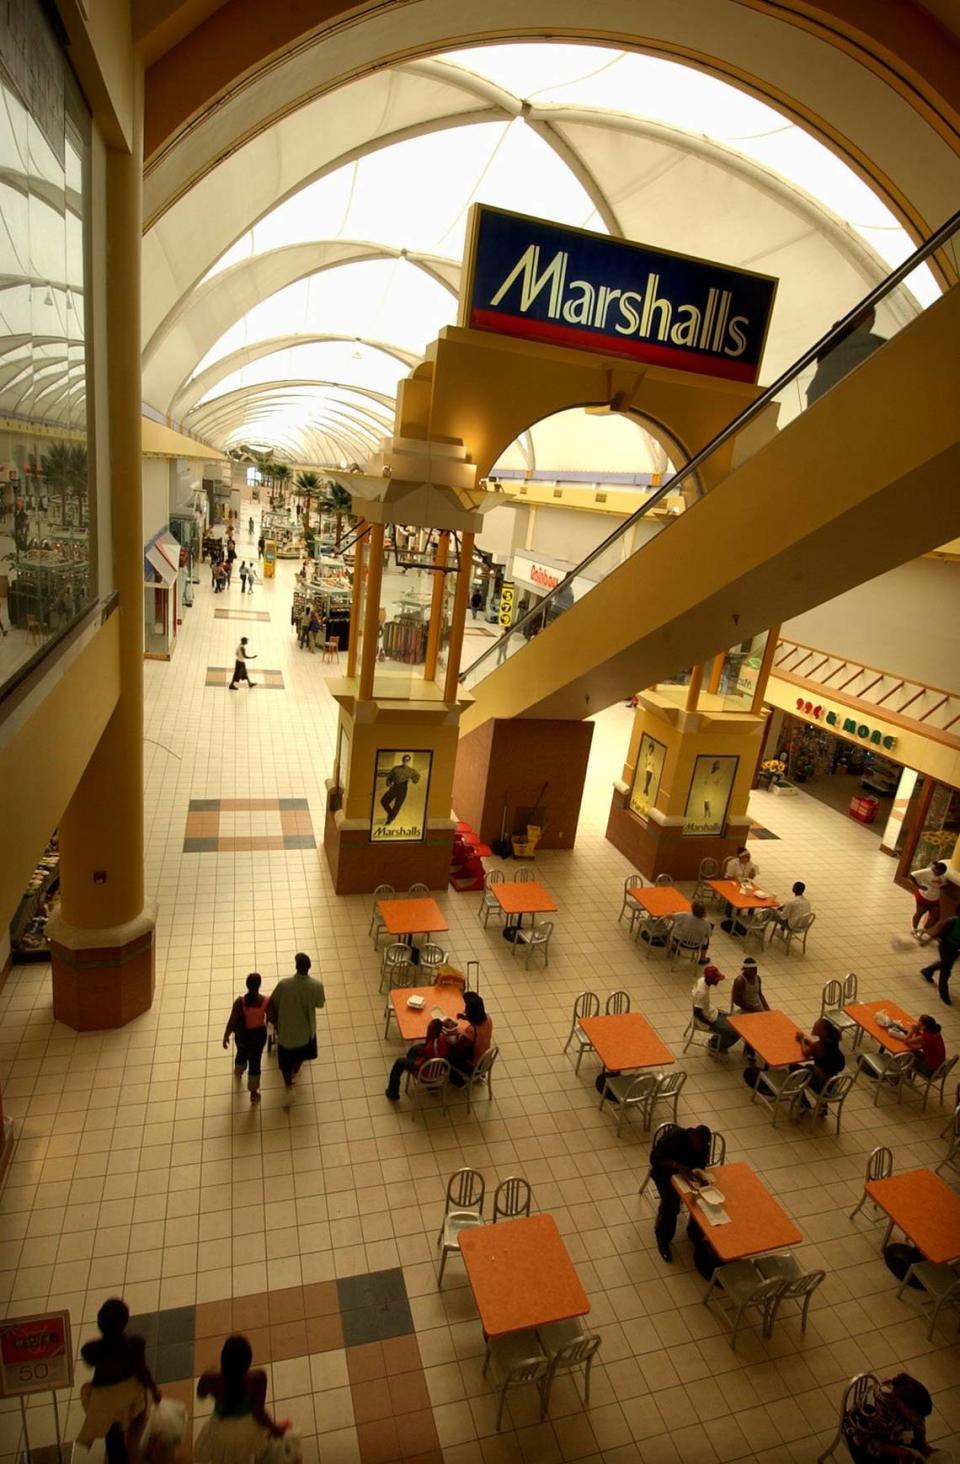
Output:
x,y
611,345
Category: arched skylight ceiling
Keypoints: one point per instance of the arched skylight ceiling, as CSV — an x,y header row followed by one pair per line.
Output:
x,y
349,225
577,441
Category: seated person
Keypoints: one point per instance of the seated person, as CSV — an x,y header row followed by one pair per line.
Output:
x,y
474,1034
747,993
893,1426
926,1043
822,1049
435,1044
740,866
679,1151
791,912
693,929
724,1035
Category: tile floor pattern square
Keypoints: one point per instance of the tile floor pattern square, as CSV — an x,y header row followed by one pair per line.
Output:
x,y
254,615
270,680
140,1167
235,825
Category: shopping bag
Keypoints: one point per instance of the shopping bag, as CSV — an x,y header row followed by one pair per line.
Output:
x,y
164,1431
286,1450
901,944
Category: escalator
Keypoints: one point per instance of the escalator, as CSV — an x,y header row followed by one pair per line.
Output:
x,y
863,480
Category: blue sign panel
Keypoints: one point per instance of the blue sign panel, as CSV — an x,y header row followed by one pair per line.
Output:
x,y
540,281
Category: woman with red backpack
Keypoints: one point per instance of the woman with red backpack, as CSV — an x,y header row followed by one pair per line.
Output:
x,y
248,1024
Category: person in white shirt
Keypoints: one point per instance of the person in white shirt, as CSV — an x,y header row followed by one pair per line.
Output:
x,y
693,930
724,1035
241,657
929,882
740,866
791,912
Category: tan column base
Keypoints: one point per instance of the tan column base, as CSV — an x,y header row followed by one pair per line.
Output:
x,y
358,866
102,978
654,848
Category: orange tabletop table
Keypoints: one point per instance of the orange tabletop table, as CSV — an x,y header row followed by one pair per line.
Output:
x,y
757,1223
521,1275
626,1041
661,900
521,898
413,1023
924,1208
864,1014
772,1035
411,917
729,890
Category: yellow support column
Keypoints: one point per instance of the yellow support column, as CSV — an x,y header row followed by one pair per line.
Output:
x,y
458,618
693,690
766,666
357,598
102,942
436,607
371,612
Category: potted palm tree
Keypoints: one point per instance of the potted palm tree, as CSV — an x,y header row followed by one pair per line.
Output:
x,y
307,484
337,501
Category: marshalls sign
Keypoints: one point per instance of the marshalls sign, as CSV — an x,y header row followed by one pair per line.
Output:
x,y
539,281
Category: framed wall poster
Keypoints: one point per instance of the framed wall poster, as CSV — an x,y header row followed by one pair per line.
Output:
x,y
401,785
710,789
646,779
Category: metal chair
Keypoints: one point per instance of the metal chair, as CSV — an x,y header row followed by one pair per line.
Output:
x,y
798,1285
879,1166
472,979
376,928
942,1285
923,1082
587,1004
697,1032
660,1132
655,933
741,1285
718,1150
859,1393
428,1081
630,906
516,1364
663,880
851,985
831,1097
569,1349
418,890
956,1104
524,875
489,904
628,1093
709,869
618,1002
783,1088
463,1210
831,1007
689,950
755,925
432,956
790,933
511,1199
538,939
952,1156
481,1076
669,1088
394,964
889,1069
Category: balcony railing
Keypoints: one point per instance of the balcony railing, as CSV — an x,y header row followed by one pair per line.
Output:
x,y
903,698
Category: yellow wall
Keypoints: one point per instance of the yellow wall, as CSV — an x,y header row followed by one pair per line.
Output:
x,y
399,728
687,737
41,762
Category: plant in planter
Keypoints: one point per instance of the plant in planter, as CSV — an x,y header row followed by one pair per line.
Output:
x,y
771,773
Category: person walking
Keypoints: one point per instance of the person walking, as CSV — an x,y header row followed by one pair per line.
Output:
x,y
115,1400
219,577
293,1011
251,577
228,570
243,576
947,936
241,657
239,1429
928,884
248,1026
476,603
250,526
260,543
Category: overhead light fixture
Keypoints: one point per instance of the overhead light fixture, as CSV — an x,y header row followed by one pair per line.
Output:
x,y
48,298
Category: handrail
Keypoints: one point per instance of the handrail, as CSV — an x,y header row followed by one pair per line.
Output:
x,y
836,332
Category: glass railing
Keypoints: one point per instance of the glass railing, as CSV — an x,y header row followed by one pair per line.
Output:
x,y
874,320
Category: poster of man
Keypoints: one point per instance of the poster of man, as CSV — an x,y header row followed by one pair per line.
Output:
x,y
646,779
401,785
710,789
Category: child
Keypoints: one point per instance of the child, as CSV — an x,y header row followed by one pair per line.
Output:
x,y
248,1023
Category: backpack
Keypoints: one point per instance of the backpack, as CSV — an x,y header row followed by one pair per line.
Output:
x,y
254,1017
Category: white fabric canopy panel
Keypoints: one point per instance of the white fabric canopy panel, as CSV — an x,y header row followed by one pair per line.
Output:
x,y
348,225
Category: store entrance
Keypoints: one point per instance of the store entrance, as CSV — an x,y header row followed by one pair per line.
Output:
x,y
856,781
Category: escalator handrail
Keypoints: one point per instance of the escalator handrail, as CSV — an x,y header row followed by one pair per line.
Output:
x,y
821,347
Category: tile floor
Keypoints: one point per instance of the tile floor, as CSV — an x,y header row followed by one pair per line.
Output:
x,y
141,1169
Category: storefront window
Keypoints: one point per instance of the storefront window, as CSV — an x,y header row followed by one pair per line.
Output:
x,y
47,570
941,827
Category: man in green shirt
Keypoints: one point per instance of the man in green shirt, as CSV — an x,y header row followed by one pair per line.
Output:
x,y
947,936
293,1010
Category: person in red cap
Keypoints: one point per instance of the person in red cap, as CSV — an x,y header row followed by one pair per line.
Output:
x,y
724,1035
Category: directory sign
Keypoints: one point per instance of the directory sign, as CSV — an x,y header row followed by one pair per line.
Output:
x,y
540,281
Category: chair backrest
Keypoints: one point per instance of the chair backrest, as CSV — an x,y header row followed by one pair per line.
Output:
x,y
433,1073
670,1083
542,932
718,1150
640,1089
632,882
382,892
699,1021
396,954
575,1353
859,1393
511,1198
709,868
944,1069
531,1370
795,1081
804,923
761,916
432,955
587,1004
880,1163
664,879
524,875
661,1131
472,981
482,1069
418,889
465,1190
831,997
850,984
899,1065
618,1002
492,877
835,1089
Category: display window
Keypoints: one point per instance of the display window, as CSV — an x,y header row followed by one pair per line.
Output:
x,y
932,831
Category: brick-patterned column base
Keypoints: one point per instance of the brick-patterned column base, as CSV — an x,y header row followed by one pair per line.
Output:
x,y
102,978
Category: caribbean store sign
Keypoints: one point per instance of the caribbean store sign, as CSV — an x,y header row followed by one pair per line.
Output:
x,y
540,281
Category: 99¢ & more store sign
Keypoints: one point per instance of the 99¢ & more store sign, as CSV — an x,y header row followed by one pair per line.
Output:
x,y
847,727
